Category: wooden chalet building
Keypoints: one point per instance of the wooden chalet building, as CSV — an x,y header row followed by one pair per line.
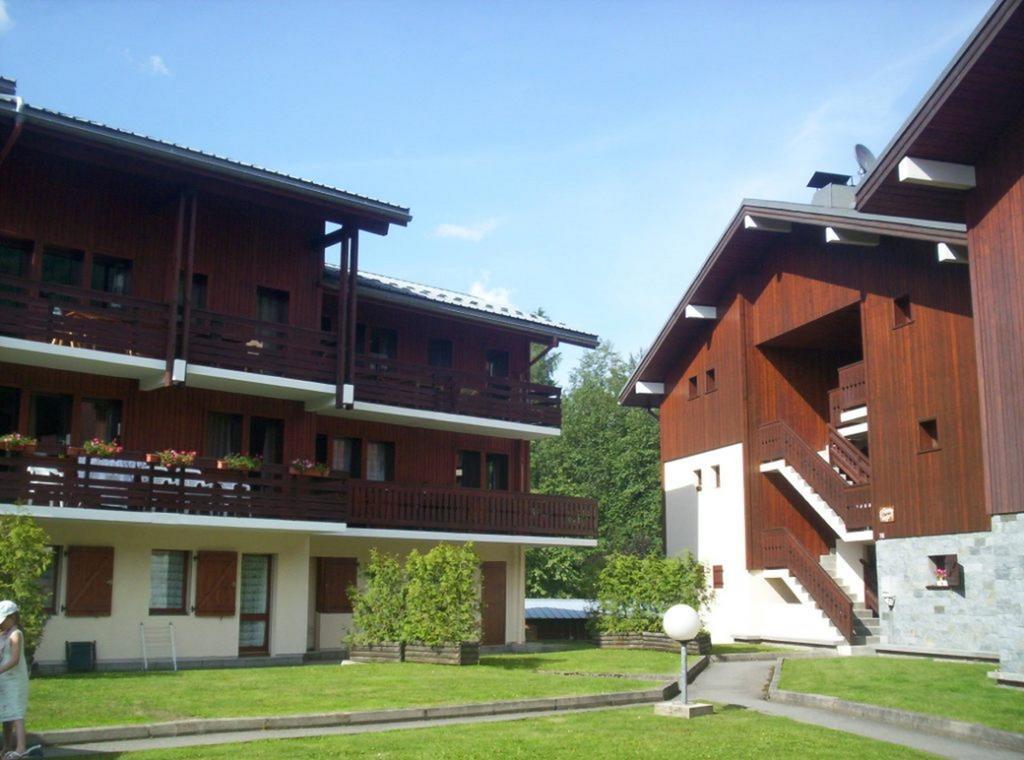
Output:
x,y
840,395
166,298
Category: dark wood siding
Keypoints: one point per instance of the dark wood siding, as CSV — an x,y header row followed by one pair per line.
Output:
x,y
90,583
493,576
995,224
334,577
216,583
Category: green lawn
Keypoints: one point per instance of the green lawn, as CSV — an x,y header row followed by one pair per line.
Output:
x,y
586,658
951,689
611,734
99,699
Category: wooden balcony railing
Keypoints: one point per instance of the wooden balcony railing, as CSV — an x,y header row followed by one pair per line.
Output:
x,y
379,505
387,381
776,440
129,484
848,458
781,551
851,393
81,318
250,345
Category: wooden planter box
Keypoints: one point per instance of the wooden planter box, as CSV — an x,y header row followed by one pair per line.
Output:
x,y
78,451
222,465
466,653
388,651
152,459
653,641
307,473
29,448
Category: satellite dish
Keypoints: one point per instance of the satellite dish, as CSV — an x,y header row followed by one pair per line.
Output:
x,y
865,158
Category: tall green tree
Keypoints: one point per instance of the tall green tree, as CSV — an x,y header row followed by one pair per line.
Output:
x,y
606,452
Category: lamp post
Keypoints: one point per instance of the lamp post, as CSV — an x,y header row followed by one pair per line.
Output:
x,y
681,623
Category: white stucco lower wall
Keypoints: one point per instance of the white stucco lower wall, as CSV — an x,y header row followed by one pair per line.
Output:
x,y
295,626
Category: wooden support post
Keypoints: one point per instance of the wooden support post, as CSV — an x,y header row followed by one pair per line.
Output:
x,y
190,260
342,326
353,274
175,289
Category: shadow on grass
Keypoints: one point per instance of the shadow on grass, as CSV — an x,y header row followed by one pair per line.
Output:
x,y
513,662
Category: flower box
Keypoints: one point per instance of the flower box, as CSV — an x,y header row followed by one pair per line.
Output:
x,y
172,460
152,458
307,473
466,653
19,448
385,651
654,641
223,465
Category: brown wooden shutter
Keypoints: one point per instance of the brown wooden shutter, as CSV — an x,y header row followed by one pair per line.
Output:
x,y
717,580
335,575
216,580
90,586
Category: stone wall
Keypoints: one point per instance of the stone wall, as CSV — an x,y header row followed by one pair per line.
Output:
x,y
985,614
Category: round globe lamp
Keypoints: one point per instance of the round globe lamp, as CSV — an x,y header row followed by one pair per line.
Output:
x,y
681,623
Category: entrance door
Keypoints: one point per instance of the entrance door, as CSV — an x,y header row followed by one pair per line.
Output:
x,y
870,580
254,617
493,593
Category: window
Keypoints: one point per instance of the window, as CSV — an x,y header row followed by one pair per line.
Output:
x,y
334,577
48,582
468,475
266,439
709,381
14,256
223,434
101,418
10,406
901,313
168,582
321,453
380,461
717,472
62,267
497,363
199,287
346,456
698,479
927,436
272,305
50,418
439,352
111,275
692,388
497,472
382,341
716,576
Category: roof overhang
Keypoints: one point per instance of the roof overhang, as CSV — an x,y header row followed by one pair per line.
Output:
x,y
739,249
335,205
929,164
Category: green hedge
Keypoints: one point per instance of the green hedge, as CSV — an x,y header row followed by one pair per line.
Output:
x,y
634,592
379,607
442,598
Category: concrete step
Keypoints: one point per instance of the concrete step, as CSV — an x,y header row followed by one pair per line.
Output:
x,y
865,641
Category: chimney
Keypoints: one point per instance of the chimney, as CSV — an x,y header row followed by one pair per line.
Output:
x,y
833,190
8,86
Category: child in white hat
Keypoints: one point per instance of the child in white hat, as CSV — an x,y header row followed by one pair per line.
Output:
x,y
13,681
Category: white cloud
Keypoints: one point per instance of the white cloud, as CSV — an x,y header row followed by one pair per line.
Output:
x,y
154,64
481,289
471,232
6,23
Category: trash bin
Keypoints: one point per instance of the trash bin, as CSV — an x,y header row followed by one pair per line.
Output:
x,y
80,656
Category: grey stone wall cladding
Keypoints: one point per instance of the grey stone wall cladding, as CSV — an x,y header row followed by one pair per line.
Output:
x,y
986,615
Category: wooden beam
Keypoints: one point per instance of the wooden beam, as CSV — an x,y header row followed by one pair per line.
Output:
x,y
766,224
949,253
190,260
693,311
850,237
942,174
336,236
342,326
175,289
353,278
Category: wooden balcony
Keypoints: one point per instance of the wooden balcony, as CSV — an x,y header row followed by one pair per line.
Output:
x,y
129,484
851,393
80,318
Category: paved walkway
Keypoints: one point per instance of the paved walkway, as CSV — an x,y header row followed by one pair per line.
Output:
x,y
735,683
744,684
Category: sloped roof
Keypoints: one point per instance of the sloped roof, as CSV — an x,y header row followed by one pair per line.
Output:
x,y
739,249
463,305
559,609
94,131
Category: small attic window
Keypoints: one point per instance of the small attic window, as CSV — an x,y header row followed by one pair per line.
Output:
x,y
901,311
927,436
691,383
710,383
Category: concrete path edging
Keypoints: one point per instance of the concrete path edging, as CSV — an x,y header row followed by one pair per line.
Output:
x,y
364,717
956,729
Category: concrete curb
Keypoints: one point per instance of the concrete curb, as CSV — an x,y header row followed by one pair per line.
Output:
x,y
931,724
222,725
772,656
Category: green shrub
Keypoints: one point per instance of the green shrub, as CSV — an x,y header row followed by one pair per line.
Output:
x,y
634,592
378,609
442,602
24,556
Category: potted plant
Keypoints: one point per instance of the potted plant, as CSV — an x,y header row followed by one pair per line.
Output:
x,y
442,606
17,442
239,463
941,576
309,468
96,448
171,458
378,609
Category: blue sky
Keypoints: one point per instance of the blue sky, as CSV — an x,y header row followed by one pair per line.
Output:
x,y
580,156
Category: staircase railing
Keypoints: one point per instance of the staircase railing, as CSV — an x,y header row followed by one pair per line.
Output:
x,y
848,458
851,393
781,551
777,440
